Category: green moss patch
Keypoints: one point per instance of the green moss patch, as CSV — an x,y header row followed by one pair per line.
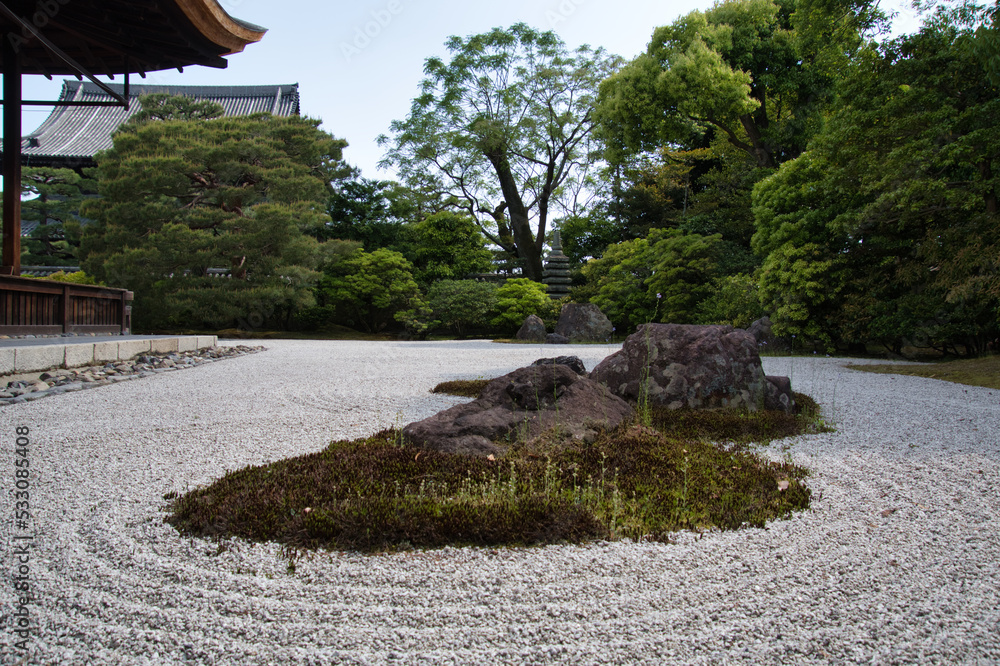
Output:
x,y
469,388
380,493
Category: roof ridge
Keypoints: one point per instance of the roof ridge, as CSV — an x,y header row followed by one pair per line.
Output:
x,y
70,88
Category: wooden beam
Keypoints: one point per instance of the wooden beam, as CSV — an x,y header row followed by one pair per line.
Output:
x,y
11,264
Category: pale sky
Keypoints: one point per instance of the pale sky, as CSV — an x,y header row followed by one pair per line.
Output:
x,y
358,65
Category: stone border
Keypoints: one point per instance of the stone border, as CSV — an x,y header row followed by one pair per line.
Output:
x,y
37,358
57,381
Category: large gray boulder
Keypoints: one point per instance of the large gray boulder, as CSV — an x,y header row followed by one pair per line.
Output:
x,y
696,367
518,407
532,330
583,322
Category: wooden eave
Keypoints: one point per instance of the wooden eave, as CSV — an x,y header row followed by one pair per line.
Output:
x,y
218,26
111,37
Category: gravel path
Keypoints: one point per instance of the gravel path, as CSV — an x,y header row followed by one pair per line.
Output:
x,y
898,561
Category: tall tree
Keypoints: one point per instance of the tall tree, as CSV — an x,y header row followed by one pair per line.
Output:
x,y
741,70
500,130
181,197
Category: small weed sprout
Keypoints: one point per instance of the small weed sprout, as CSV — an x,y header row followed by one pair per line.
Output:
x,y
643,405
645,412
397,431
684,470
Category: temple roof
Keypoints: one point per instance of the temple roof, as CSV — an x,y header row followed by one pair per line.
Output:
x,y
72,135
114,36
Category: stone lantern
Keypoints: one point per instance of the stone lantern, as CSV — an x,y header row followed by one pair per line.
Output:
x,y
556,275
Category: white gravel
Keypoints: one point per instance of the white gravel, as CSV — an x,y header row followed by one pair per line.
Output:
x,y
898,561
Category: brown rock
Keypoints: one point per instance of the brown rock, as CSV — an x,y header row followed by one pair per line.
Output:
x,y
697,367
519,406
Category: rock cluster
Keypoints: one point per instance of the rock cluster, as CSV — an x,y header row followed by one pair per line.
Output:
x,y
55,382
670,365
578,322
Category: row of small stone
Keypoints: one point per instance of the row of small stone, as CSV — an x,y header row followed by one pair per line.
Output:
x,y
52,335
55,382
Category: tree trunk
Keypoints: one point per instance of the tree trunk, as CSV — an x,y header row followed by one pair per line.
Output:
x,y
520,224
761,151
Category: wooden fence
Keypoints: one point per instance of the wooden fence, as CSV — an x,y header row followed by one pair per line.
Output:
x,y
43,307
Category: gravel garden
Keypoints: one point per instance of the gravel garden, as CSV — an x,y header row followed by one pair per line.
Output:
x,y
895,560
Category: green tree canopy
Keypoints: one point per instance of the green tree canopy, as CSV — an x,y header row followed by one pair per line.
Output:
x,y
373,212
519,297
448,246
463,305
739,69
500,130
56,196
367,289
181,197
660,278
163,106
887,230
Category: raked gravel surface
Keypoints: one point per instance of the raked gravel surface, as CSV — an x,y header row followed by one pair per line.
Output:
x,y
897,561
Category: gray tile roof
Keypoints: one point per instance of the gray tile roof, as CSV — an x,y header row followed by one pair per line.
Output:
x,y
27,226
72,135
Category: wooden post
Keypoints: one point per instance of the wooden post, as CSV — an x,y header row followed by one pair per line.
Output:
x,y
11,264
67,310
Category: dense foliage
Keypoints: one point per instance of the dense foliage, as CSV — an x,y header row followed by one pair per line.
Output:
x,y
366,289
739,69
463,306
519,298
887,230
55,196
761,157
660,278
